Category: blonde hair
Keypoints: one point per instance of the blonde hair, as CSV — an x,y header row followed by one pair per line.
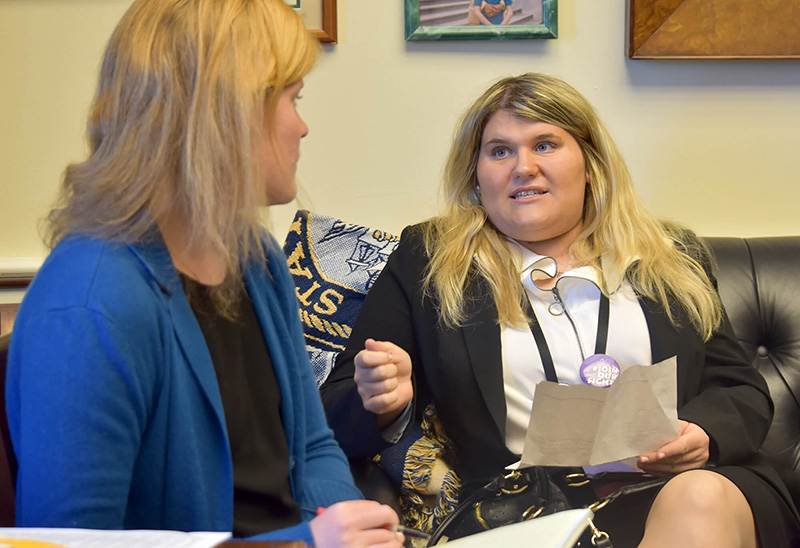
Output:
x,y
176,123
620,238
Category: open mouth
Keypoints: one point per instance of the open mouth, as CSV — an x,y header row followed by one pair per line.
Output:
x,y
527,193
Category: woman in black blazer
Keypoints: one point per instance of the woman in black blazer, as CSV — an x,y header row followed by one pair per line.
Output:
x,y
542,226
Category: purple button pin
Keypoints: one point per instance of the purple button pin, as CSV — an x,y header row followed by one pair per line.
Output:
x,y
599,370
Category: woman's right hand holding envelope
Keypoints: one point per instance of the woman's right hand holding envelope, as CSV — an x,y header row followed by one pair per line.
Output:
x,y
383,378
688,451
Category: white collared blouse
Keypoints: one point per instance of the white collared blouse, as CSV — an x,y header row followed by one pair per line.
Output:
x,y
628,336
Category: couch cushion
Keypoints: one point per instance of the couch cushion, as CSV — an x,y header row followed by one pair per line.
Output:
x,y
333,264
760,288
8,461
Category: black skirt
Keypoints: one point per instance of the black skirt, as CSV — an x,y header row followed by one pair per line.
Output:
x,y
776,519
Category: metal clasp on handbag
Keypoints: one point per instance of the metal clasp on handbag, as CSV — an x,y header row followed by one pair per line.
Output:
x,y
577,479
514,477
599,538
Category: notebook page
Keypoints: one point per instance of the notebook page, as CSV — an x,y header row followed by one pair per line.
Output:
x,y
559,530
92,538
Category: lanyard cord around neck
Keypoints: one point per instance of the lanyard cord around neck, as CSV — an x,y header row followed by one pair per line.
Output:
x,y
541,343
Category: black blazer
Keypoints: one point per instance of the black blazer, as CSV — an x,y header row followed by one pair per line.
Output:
x,y
460,370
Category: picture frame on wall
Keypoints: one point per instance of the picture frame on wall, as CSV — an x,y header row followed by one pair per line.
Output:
x,y
480,19
320,18
722,29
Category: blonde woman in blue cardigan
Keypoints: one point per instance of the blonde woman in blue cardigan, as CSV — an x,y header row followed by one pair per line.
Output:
x,y
157,375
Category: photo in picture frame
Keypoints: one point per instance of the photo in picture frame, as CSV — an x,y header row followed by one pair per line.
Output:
x,y
480,19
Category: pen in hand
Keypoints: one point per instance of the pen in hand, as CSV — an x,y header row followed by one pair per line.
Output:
x,y
408,531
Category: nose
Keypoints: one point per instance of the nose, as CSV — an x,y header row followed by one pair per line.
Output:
x,y
526,166
303,127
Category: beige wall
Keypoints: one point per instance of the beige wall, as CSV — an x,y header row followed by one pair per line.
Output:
x,y
712,144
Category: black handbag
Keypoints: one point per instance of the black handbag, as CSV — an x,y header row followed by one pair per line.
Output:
x,y
538,491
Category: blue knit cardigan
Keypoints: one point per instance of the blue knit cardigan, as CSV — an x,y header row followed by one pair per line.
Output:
x,y
113,403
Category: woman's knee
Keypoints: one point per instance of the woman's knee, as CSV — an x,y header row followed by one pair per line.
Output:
x,y
707,506
697,493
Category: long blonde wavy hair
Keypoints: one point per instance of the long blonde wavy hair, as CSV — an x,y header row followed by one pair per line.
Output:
x,y
176,123
620,238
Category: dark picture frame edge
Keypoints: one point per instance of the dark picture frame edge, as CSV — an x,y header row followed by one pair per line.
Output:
x,y
329,33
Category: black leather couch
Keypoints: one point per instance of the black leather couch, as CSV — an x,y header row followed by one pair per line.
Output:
x,y
759,282
8,463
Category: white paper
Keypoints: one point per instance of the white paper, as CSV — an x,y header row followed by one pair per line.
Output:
x,y
93,538
559,530
582,425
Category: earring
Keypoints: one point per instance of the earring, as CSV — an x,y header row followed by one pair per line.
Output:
x,y
478,188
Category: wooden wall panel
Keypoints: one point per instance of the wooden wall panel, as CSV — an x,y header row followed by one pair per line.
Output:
x,y
717,29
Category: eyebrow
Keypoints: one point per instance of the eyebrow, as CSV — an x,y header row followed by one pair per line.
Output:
x,y
540,137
